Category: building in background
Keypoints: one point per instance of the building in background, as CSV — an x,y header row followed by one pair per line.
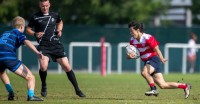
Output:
x,y
178,13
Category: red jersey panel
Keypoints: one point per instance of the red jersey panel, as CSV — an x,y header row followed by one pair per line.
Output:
x,y
146,45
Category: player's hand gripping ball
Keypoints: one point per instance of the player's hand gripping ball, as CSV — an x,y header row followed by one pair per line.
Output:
x,y
130,49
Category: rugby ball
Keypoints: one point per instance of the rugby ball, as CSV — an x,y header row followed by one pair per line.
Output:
x,y
133,50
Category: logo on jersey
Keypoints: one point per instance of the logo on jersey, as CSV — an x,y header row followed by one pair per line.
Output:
x,y
148,62
40,20
64,53
52,19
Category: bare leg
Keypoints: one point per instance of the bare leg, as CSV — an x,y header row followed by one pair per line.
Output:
x,y
6,81
146,73
147,70
158,77
4,77
25,73
43,74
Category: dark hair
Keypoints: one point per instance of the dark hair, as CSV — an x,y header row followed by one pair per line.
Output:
x,y
43,0
136,25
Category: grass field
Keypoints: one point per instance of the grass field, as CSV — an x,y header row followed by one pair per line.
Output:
x,y
126,88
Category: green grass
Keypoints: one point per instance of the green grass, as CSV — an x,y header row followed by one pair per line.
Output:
x,y
126,88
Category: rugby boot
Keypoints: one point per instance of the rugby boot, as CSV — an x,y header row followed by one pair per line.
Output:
x,y
11,96
187,90
44,91
80,94
34,98
152,92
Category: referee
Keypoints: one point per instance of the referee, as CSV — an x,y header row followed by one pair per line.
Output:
x,y
47,28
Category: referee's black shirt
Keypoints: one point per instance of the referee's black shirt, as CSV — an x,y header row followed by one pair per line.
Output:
x,y
47,24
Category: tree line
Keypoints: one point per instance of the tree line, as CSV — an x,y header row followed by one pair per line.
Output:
x,y
93,12
86,12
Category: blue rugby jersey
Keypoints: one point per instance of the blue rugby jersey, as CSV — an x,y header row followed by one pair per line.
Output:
x,y
10,41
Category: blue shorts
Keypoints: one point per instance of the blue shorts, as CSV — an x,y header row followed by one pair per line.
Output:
x,y
11,64
154,62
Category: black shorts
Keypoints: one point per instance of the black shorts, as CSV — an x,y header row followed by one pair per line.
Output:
x,y
52,50
154,62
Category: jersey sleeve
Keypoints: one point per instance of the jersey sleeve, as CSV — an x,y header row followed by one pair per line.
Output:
x,y
131,41
21,38
31,22
58,18
152,42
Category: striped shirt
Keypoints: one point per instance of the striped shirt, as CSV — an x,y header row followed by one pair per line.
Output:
x,y
10,41
146,45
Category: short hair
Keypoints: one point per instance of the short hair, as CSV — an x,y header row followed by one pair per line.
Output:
x,y
193,36
43,0
136,25
17,22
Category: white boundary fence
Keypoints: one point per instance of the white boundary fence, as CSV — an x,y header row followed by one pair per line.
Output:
x,y
184,55
119,55
119,58
90,45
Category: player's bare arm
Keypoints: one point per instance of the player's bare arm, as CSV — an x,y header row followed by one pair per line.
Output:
x,y
30,31
157,50
32,47
59,28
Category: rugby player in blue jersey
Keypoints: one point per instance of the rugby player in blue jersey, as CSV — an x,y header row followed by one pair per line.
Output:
x,y
10,41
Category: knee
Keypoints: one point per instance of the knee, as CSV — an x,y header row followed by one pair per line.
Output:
x,y
66,68
43,67
143,73
30,77
162,86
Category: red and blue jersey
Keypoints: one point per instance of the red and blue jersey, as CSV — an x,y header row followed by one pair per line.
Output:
x,y
146,46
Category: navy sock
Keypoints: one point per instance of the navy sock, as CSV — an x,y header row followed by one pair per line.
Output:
x,y
153,88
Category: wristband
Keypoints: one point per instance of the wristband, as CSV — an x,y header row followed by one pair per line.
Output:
x,y
58,32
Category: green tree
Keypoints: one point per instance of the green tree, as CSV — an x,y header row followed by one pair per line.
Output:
x,y
8,9
110,11
11,8
195,11
87,12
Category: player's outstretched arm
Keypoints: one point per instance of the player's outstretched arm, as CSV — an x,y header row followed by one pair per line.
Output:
x,y
32,47
157,50
29,31
32,33
59,28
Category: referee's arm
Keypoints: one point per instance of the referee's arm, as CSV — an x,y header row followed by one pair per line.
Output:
x,y
33,33
30,31
59,28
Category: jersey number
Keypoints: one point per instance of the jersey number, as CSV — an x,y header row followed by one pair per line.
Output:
x,y
4,38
